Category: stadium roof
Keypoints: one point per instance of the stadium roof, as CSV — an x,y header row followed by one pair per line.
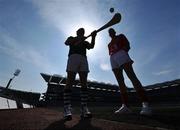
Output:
x,y
58,79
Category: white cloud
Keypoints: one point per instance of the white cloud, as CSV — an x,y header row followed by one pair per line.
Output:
x,y
14,49
163,72
105,67
68,15
92,78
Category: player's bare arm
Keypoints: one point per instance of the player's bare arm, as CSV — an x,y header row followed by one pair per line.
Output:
x,y
91,46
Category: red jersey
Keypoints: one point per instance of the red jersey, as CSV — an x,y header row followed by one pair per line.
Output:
x,y
117,43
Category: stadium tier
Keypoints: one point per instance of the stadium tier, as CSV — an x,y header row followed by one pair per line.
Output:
x,y
30,98
168,92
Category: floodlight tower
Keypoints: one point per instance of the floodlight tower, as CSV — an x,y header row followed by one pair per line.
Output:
x,y
16,73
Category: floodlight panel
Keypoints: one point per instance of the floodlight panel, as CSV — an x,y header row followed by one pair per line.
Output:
x,y
16,73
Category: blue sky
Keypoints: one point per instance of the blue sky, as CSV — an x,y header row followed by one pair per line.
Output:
x,y
32,35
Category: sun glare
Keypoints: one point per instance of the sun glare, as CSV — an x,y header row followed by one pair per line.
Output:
x,y
88,29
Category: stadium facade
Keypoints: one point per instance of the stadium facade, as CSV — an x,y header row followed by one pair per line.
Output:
x,y
99,92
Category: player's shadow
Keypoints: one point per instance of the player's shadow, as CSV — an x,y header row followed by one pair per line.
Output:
x,y
85,124
58,125
81,125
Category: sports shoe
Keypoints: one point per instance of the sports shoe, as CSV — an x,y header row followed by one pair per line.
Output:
x,y
85,113
123,110
146,111
67,113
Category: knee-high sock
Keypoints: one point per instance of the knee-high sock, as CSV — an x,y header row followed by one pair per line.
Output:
x,y
67,97
84,96
142,94
124,98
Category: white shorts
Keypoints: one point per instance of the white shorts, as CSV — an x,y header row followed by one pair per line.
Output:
x,y
119,58
77,63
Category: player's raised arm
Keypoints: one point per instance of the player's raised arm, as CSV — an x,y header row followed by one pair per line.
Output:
x,y
93,34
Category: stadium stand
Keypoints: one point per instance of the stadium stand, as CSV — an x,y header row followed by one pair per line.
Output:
x,y
20,97
167,92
